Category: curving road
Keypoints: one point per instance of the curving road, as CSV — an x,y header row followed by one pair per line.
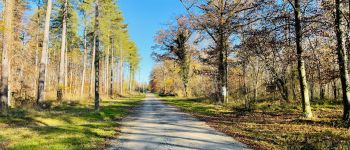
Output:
x,y
158,126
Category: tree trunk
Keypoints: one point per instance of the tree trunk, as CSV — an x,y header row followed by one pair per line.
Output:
x,y
322,88
121,77
304,88
107,71
103,73
121,71
97,65
342,59
256,82
6,45
63,46
71,79
110,93
66,69
222,63
92,67
283,88
43,61
37,52
334,86
322,92
46,72
130,80
84,65
312,87
185,73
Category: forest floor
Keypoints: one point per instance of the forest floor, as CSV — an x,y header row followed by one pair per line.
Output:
x,y
272,124
66,126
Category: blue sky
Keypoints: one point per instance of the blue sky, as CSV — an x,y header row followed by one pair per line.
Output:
x,y
145,18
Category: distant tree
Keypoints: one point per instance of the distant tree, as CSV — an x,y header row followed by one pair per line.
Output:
x,y
174,43
133,60
85,10
219,20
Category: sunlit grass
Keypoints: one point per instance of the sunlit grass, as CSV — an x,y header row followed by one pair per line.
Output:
x,y
64,127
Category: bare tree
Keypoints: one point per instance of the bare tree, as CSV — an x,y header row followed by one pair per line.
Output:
x,y
304,87
174,41
219,19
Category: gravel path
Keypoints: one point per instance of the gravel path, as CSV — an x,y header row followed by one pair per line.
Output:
x,y
158,126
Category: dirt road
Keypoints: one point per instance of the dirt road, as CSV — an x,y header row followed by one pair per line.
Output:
x,y
158,126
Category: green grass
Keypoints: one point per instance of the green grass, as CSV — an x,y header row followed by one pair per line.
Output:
x,y
271,124
68,126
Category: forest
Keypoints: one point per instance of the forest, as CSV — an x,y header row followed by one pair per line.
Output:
x,y
64,50
245,51
256,74
60,59
268,66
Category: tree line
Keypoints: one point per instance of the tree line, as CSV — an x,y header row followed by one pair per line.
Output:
x,y
64,49
231,50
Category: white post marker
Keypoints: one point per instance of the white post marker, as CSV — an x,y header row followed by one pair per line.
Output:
x,y
224,91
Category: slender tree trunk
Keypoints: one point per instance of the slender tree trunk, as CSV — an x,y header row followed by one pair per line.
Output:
x,y
84,65
121,77
322,89
121,71
245,88
37,52
304,88
97,65
257,72
342,59
63,46
185,66
71,79
107,71
130,79
6,45
43,61
92,79
46,72
103,73
132,82
294,89
9,93
76,83
312,87
66,69
110,93
335,94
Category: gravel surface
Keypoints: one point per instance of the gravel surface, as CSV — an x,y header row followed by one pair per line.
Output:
x,y
158,126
